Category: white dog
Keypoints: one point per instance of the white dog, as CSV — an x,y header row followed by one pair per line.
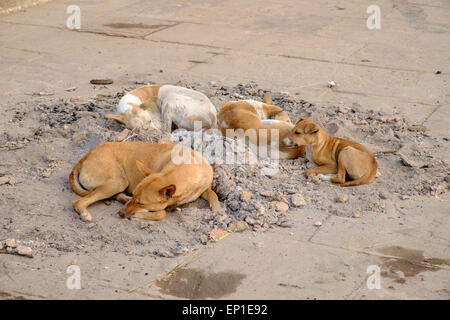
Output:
x,y
165,107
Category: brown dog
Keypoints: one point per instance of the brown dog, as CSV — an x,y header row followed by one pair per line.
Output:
x,y
333,155
146,170
262,119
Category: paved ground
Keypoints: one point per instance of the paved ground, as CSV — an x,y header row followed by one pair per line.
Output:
x,y
286,46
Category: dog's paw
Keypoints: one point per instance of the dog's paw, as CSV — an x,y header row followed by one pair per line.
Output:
x,y
325,177
86,216
336,180
215,207
309,172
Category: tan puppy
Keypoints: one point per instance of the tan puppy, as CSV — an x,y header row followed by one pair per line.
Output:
x,y
165,107
145,170
334,156
263,118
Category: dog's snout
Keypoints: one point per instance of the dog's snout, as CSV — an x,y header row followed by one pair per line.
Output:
x,y
122,212
287,141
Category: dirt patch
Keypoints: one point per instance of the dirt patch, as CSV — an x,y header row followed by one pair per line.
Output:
x,y
405,263
42,138
196,284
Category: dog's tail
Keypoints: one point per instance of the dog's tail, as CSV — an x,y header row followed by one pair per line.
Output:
x,y
75,183
116,117
367,178
267,98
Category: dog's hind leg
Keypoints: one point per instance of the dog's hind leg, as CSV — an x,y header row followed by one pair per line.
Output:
x,y
101,192
340,175
211,197
122,197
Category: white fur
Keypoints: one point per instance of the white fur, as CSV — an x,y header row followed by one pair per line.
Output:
x,y
177,104
270,121
308,152
258,105
224,124
124,105
325,177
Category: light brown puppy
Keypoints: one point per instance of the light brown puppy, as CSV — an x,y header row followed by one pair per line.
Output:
x,y
334,156
157,176
259,121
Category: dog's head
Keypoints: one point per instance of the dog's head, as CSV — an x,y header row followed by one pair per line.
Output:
x,y
305,132
153,193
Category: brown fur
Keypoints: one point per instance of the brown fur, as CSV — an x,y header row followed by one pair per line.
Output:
x,y
144,170
147,93
242,115
334,155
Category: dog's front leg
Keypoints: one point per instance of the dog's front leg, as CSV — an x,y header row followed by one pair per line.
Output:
x,y
103,191
152,215
324,169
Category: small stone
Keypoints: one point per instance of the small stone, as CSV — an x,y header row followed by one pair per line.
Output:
x,y
404,197
409,162
252,221
383,195
267,194
4,180
180,251
245,195
238,226
204,239
417,128
438,190
342,199
80,137
270,219
356,215
260,210
298,200
447,178
24,251
314,179
318,223
280,206
10,243
165,254
258,244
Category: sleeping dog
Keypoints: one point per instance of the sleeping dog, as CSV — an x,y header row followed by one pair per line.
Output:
x,y
148,172
261,122
165,107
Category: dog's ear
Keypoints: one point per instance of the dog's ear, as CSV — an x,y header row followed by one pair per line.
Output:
x,y
267,98
168,191
300,120
312,128
143,169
